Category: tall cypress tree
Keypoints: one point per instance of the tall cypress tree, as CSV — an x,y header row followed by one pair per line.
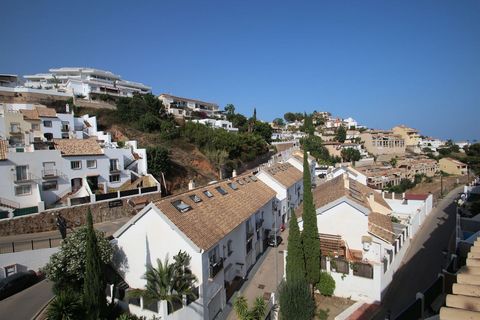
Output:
x,y
310,239
94,299
295,257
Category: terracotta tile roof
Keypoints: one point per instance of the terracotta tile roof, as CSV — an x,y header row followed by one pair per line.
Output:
x,y
77,147
3,149
413,196
381,226
285,173
283,146
46,112
209,221
336,188
30,114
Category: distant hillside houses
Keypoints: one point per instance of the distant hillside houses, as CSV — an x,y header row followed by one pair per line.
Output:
x,y
188,108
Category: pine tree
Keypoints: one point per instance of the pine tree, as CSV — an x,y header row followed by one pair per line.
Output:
x,y
310,240
295,257
94,286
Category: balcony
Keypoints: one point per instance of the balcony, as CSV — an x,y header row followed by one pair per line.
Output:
x,y
215,268
15,130
23,178
258,224
65,129
115,169
50,173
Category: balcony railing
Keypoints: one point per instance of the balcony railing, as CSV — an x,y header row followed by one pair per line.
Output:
x,y
115,168
50,173
249,234
259,224
23,178
215,268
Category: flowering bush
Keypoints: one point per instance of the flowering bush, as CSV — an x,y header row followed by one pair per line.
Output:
x,y
66,268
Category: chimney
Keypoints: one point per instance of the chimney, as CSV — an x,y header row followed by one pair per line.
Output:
x,y
346,180
67,108
370,197
234,173
191,185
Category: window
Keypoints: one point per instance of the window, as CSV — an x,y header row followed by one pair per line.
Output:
x,y
195,198
15,128
114,178
50,185
229,247
91,164
23,190
75,165
21,173
47,123
181,206
221,191
213,255
233,185
208,193
114,165
35,126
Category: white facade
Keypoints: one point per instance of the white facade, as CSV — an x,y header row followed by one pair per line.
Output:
x,y
352,174
350,123
184,107
218,124
84,82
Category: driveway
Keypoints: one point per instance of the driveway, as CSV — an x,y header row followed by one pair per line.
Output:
x,y
25,305
424,258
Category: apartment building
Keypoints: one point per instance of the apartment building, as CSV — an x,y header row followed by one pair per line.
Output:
x,y
409,135
185,107
287,181
217,124
87,82
431,143
382,176
350,171
222,226
422,166
453,166
361,247
9,80
383,142
335,148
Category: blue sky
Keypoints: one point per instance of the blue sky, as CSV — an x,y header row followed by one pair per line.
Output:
x,y
382,62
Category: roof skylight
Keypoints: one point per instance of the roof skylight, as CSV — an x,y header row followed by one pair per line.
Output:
x,y
181,206
208,193
221,190
233,185
195,198
254,178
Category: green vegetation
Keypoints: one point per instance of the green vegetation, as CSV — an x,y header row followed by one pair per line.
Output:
x,y
311,244
291,117
257,312
406,184
296,300
295,268
66,306
94,300
341,134
158,159
279,122
350,155
326,285
315,146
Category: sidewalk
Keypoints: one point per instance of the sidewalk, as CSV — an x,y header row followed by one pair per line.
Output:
x,y
261,279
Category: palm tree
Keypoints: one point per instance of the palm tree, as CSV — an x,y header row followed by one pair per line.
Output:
x,y
65,306
244,313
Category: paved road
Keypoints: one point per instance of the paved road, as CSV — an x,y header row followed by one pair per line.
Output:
x,y
424,258
24,305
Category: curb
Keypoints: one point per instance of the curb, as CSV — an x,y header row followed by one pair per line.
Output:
x,y
42,309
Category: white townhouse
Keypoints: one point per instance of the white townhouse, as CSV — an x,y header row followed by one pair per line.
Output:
x,y
217,124
350,123
184,107
350,171
287,181
361,246
68,172
85,82
222,226
296,160
9,80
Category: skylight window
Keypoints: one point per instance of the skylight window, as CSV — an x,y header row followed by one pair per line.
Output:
x,y
221,190
181,206
240,182
195,198
233,185
253,178
208,193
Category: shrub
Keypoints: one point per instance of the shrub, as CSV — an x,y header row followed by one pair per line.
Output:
x,y
326,285
66,305
296,301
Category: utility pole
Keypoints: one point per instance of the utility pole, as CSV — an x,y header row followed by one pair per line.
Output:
x,y
441,183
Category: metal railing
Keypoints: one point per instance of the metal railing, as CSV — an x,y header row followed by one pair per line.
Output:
x,y
17,246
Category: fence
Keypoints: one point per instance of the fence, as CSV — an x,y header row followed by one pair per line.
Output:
x,y
80,200
18,246
364,270
339,265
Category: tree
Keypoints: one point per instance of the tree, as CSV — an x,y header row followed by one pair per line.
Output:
x,y
66,268
263,129
296,301
65,306
169,282
326,285
295,261
350,155
278,122
289,117
341,135
158,159
94,300
230,109
308,125
394,161
257,312
310,238
254,114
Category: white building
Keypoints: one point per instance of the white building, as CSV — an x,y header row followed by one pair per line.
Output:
x,y
85,82
221,226
287,181
351,172
350,123
9,80
431,143
185,107
217,124
296,160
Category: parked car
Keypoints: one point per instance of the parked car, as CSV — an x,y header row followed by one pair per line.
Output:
x,y
271,241
16,283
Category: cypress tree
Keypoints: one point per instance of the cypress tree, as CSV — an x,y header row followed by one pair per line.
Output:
x,y
94,299
295,268
310,239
